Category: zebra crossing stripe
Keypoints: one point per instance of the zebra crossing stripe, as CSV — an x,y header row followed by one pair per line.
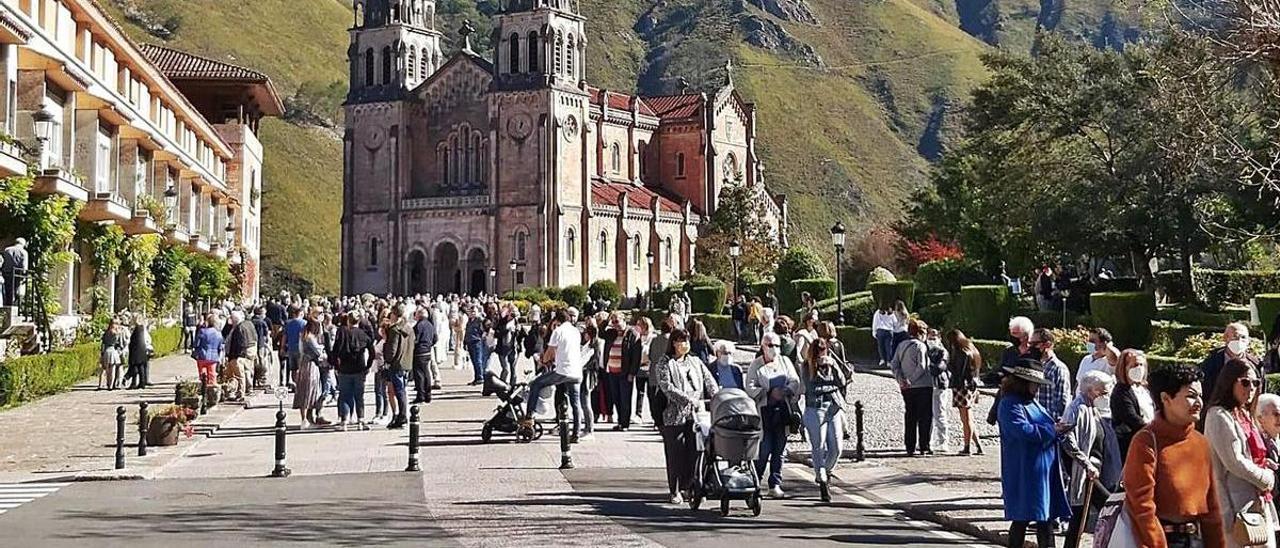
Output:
x,y
13,495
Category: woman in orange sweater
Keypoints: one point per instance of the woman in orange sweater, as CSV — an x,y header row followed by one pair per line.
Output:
x,y
1169,487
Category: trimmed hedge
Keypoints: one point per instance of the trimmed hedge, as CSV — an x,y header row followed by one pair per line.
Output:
x,y
1268,305
857,312
1171,335
821,289
759,289
1051,319
1158,362
1217,287
887,293
1126,315
859,343
29,377
948,275
1194,316
166,340
574,295
982,311
707,299
926,299
607,289
936,314
718,326
991,350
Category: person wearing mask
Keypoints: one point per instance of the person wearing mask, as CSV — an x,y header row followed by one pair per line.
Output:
x,y
883,323
699,342
615,334
242,347
262,361
739,315
139,355
655,349
1020,330
307,395
477,349
806,333
1100,354
827,332
424,342
350,346
111,355
965,367
1168,477
564,355
1056,393
910,366
1243,476
723,370
683,380
1082,447
622,376
824,401
1268,417
208,350
773,382
1235,347
293,345
1131,405
938,360
397,351
1030,478
592,352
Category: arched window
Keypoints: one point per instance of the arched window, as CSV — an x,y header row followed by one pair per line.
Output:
x,y
635,251
571,246
455,156
424,66
413,62
604,247
615,155
640,150
534,44
559,52
373,251
484,163
386,65
368,67
475,157
467,154
442,158
568,63
679,164
515,53
520,246
395,13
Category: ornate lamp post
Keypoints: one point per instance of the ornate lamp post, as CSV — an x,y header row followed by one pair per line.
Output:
x,y
837,239
513,265
493,279
649,258
171,203
44,132
735,251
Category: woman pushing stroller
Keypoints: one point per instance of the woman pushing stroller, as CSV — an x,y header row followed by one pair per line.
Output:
x,y
685,381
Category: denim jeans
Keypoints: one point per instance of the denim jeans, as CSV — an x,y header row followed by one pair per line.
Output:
x,y
884,344
380,404
620,387
350,396
584,414
551,378
479,355
825,424
398,385
772,444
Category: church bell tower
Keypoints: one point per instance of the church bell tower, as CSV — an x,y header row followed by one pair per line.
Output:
x,y
539,43
394,47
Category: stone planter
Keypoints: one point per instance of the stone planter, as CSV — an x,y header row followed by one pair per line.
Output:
x,y
212,396
163,431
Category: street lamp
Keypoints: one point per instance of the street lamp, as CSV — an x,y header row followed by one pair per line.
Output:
x,y
171,203
231,233
43,120
493,279
837,239
735,251
513,265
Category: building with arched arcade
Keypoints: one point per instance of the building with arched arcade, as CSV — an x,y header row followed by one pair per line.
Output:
x,y
465,174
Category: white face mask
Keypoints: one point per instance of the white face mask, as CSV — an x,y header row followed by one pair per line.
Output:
x,y
1102,403
1090,348
769,352
1238,346
1138,374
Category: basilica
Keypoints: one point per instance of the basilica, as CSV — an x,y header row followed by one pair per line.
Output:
x,y
466,174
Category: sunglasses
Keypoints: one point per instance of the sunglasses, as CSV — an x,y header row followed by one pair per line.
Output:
x,y
1251,383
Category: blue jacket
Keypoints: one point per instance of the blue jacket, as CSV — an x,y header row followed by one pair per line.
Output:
x,y
208,345
1030,474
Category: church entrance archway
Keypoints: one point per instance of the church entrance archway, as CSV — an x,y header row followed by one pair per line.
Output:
x,y
448,275
477,266
417,274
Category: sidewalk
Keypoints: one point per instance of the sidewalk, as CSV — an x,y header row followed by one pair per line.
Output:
x,y
72,435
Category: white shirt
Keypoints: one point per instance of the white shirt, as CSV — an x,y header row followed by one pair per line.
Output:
x,y
1090,363
567,341
881,320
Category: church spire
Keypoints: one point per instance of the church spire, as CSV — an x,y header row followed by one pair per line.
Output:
x,y
466,30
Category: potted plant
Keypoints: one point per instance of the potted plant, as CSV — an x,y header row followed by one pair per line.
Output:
x,y
187,394
166,422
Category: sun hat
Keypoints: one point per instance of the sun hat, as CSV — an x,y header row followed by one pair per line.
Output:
x,y
1028,370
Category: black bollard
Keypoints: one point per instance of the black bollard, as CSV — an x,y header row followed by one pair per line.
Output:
x,y
280,471
204,393
562,412
859,452
119,437
143,423
413,440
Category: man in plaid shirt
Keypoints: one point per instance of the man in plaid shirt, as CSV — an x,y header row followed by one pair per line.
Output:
x,y
1055,395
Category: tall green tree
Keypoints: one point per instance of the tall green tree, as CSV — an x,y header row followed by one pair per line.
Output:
x,y
741,214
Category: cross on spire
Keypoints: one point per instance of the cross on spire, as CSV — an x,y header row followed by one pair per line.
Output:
x,y
466,31
728,71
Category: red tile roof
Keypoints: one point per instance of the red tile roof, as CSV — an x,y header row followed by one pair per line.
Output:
x,y
619,101
638,197
675,106
180,65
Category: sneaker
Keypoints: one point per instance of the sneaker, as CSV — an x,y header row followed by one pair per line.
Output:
x,y
321,421
395,424
306,425
821,476
573,440
676,498
776,492
435,386
342,426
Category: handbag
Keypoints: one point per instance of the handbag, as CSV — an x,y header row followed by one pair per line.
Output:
x,y
1250,526
1115,522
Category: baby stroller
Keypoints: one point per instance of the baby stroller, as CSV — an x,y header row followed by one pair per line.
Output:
x,y
506,418
728,446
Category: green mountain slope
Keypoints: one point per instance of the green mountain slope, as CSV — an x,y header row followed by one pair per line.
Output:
x,y
850,108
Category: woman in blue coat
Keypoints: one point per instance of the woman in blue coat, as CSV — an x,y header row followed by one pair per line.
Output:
x,y
1030,475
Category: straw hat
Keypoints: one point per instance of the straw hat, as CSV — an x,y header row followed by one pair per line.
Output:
x,y
1028,370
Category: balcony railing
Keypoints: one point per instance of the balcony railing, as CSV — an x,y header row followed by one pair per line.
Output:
x,y
446,202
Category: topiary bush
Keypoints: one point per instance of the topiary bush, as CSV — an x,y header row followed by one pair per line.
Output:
x,y
888,293
1126,315
574,295
707,299
982,311
948,275
799,263
821,289
608,290
1268,306
719,326
857,313
759,289
1217,288
880,274
936,314
859,344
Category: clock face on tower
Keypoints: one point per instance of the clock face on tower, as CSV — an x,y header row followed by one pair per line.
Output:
x,y
519,126
373,137
570,128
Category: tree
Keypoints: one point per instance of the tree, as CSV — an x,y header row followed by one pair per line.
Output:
x,y
741,214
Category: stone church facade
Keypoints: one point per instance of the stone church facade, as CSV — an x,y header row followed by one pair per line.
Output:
x,y
465,175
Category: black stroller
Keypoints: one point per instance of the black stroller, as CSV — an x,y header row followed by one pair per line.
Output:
x,y
726,467
506,418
